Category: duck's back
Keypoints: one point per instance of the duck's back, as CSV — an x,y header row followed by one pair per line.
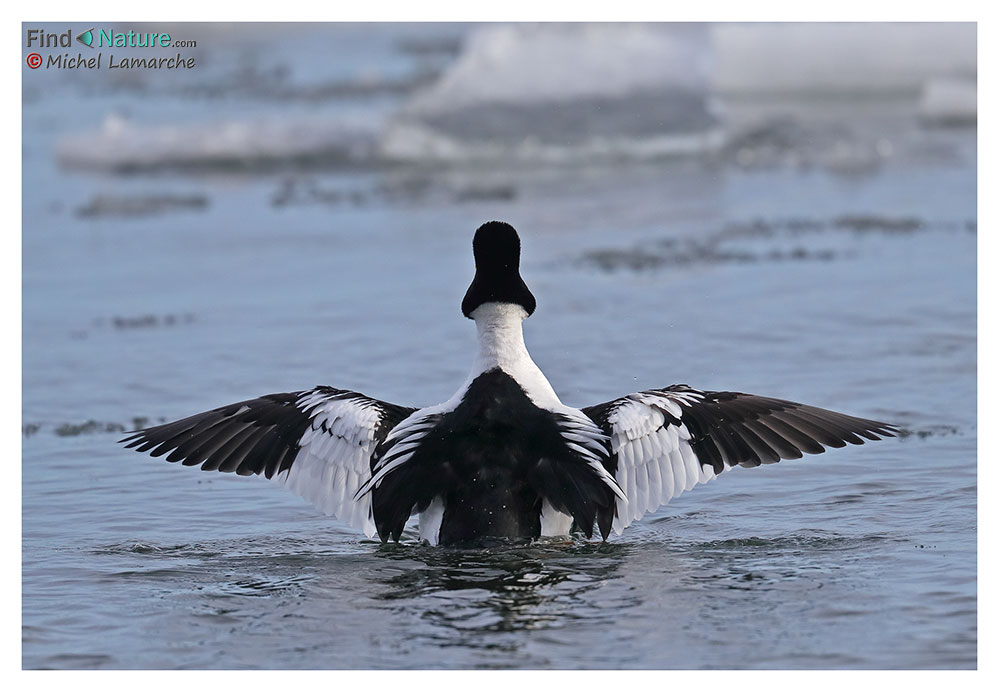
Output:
x,y
485,469
489,446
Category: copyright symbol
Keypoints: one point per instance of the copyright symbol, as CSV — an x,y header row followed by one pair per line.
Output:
x,y
34,61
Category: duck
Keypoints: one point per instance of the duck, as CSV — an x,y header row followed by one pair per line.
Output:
x,y
503,457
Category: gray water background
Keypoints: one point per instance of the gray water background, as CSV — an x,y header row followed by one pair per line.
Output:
x,y
827,256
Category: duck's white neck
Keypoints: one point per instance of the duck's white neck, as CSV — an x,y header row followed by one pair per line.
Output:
x,y
501,335
501,345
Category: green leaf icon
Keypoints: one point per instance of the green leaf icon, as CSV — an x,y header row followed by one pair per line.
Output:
x,y
87,37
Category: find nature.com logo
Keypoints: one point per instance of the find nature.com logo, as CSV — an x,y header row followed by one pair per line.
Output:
x,y
56,57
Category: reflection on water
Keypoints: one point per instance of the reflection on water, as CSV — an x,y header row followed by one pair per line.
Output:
x,y
502,589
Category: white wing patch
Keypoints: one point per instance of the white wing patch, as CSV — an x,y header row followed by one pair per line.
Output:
x,y
404,439
334,456
655,460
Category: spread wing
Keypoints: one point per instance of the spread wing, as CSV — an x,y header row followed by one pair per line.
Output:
x,y
317,442
666,441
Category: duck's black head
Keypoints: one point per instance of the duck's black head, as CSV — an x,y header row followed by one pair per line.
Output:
x,y
497,270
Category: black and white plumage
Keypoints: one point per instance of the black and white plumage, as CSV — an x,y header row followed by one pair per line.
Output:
x,y
503,456
317,442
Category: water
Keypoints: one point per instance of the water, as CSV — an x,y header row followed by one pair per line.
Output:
x,y
825,254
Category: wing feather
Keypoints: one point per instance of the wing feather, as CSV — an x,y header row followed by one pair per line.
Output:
x,y
318,443
666,441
